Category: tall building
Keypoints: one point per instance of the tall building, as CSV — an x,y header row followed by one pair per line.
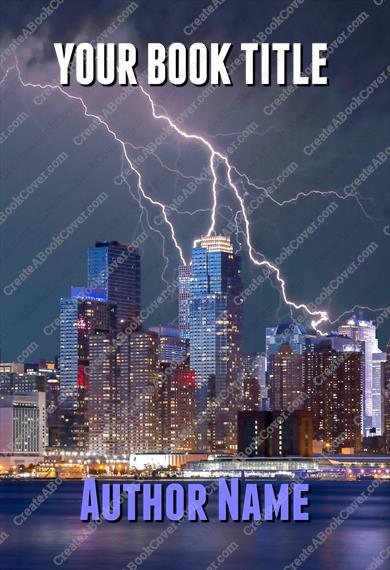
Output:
x,y
108,396
377,425
22,428
365,331
284,345
258,438
215,339
386,398
184,300
333,381
286,381
144,424
176,408
115,269
80,319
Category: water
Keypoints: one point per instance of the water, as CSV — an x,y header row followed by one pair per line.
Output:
x,y
55,524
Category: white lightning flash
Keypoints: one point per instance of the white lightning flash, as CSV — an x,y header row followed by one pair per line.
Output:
x,y
321,316
253,254
121,142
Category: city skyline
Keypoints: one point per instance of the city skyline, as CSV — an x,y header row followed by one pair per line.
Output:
x,y
194,284
124,387
84,162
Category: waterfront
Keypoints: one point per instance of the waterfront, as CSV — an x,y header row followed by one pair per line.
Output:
x,y
55,524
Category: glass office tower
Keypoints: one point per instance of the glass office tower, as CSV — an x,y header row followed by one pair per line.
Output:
x,y
80,320
365,331
115,268
184,300
215,335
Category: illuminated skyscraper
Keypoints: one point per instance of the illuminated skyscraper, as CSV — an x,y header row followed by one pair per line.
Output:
x,y
80,319
333,382
365,331
176,408
286,382
378,360
108,395
145,428
386,398
285,346
184,300
215,340
115,268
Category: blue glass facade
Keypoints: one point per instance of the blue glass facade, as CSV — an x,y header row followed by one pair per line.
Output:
x,y
115,268
184,300
215,316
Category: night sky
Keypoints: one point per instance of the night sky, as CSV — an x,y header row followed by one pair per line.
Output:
x,y
53,122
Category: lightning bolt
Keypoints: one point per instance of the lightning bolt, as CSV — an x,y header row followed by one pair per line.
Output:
x,y
348,311
7,71
253,254
216,158
120,142
322,193
144,212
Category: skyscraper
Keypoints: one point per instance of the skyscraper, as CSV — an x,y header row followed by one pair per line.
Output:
x,y
285,373
108,395
115,268
80,318
215,339
145,427
184,300
365,331
386,398
377,425
176,408
333,382
285,345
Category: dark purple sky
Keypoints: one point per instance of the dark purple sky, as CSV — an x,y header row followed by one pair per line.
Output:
x,y
51,123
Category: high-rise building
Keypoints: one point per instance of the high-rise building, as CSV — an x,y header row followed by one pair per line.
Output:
x,y
365,331
285,344
286,381
115,269
80,319
108,396
22,428
386,398
184,300
333,382
176,408
261,434
215,339
144,425
377,425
